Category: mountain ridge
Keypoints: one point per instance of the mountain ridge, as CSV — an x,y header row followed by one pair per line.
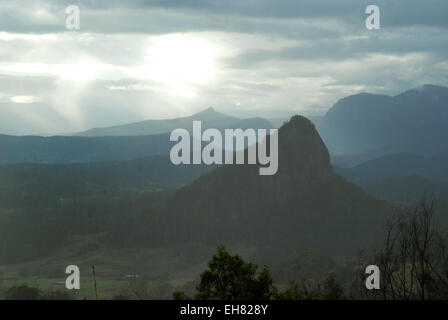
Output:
x,y
210,118
413,121
73,149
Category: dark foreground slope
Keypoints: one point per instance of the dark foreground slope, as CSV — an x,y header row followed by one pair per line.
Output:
x,y
305,203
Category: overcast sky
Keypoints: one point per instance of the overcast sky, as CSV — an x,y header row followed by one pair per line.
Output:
x,y
137,60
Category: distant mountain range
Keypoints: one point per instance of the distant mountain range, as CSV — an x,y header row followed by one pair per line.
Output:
x,y
393,146
210,119
370,125
374,140
143,139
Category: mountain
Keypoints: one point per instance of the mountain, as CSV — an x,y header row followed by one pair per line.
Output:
x,y
411,122
62,213
304,203
73,149
210,119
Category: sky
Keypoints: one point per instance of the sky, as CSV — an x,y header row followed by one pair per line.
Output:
x,y
155,59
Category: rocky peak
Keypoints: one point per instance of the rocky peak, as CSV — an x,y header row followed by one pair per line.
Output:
x,y
301,150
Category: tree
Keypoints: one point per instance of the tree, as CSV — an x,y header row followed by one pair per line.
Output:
x,y
294,292
330,289
232,278
413,259
179,295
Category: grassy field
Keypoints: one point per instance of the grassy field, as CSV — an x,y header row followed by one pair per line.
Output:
x,y
107,288
153,273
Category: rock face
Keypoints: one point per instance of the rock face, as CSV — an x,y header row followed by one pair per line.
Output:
x,y
304,203
302,153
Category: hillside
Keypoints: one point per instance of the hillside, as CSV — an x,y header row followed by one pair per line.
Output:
x,y
30,185
401,177
410,189
398,165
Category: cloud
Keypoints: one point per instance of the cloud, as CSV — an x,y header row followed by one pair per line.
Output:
x,y
167,16
24,99
134,60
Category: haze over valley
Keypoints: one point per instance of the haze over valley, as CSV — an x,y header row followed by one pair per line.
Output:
x,y
350,116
